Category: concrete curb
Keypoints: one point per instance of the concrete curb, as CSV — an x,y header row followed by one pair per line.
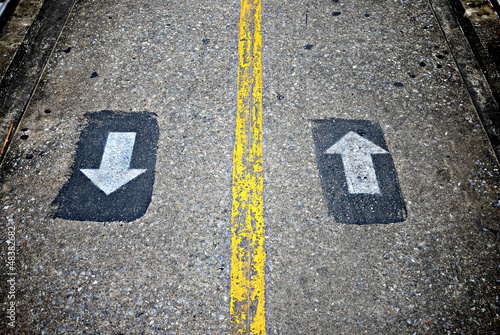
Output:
x,y
474,79
24,72
480,47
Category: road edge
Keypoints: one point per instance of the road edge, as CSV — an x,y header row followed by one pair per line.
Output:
x,y
24,72
473,77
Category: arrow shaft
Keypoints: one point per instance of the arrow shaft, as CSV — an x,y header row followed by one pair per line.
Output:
x,y
118,151
360,174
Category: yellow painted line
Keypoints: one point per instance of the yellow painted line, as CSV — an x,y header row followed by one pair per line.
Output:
x,y
247,220
7,138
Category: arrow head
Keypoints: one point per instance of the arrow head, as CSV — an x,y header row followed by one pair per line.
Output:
x,y
111,180
354,144
356,154
115,171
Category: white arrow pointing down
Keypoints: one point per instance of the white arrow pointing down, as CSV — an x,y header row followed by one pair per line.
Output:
x,y
356,154
115,170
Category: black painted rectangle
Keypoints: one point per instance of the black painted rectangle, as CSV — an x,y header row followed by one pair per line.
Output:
x,y
387,206
80,199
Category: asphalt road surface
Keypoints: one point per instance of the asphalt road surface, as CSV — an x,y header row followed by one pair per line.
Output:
x,y
284,167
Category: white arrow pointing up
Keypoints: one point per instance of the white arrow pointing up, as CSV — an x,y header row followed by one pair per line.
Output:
x,y
356,154
115,170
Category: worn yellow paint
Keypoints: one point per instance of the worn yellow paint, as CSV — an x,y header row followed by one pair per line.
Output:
x,y
247,220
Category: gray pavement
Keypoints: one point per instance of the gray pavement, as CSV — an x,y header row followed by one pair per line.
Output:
x,y
382,65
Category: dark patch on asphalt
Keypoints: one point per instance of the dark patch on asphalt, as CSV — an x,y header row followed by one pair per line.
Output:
x,y
345,205
82,199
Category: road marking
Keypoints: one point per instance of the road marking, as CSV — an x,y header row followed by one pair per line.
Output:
x,y
357,172
356,152
115,170
247,220
112,176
